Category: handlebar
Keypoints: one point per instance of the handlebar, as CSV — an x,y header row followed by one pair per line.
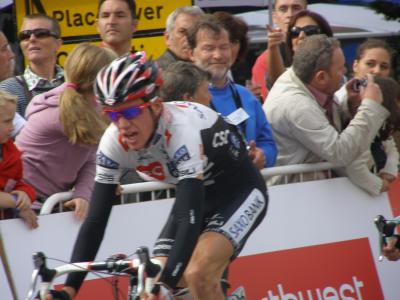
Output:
x,y
142,266
386,229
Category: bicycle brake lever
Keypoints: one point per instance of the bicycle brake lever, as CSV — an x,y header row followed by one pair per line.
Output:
x,y
32,287
144,257
39,260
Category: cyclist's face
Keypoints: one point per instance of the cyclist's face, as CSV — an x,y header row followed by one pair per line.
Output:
x,y
376,61
136,133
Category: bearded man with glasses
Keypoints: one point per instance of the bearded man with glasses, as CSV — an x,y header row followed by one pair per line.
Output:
x,y
39,41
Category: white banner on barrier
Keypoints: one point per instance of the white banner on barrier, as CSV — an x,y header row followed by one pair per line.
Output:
x,y
318,239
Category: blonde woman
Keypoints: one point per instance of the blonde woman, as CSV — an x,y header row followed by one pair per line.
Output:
x,y
63,128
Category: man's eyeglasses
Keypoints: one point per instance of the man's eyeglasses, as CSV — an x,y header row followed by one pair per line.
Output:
x,y
127,113
39,33
308,30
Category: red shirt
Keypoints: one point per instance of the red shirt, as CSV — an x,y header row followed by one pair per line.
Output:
x,y
259,73
11,171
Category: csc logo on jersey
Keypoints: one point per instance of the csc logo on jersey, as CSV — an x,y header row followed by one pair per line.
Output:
x,y
220,138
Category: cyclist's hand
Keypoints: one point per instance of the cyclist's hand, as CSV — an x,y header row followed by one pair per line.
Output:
x,y
57,295
390,251
30,217
158,292
80,206
119,190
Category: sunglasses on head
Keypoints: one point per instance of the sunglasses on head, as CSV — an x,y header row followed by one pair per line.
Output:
x,y
308,30
128,113
39,33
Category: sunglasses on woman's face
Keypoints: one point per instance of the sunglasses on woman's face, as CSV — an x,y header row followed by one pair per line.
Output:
x,y
128,113
308,30
39,33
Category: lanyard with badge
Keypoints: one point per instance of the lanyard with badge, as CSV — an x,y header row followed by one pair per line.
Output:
x,y
239,116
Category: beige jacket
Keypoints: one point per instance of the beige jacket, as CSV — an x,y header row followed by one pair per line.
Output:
x,y
303,133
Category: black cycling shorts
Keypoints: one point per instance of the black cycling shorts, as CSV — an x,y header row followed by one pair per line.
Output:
x,y
233,210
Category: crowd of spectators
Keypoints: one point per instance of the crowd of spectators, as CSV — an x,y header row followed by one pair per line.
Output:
x,y
300,107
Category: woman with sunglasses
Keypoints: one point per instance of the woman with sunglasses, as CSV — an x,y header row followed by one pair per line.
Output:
x,y
62,132
304,23
182,143
378,167
40,39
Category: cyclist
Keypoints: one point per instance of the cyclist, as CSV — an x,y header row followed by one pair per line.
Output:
x,y
220,196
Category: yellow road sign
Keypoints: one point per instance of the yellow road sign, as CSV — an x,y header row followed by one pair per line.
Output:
x,y
78,18
154,47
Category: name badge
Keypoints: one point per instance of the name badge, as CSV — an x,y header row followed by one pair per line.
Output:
x,y
238,116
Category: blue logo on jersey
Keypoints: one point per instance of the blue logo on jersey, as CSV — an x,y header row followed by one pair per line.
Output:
x,y
105,161
172,169
182,154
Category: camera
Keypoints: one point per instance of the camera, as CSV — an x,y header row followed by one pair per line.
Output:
x,y
358,83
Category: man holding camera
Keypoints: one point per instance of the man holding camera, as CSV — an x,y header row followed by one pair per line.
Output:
x,y
306,120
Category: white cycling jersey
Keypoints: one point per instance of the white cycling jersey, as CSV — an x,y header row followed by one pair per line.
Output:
x,y
176,151
190,139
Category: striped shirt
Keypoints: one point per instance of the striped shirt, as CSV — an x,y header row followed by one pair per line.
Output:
x,y
35,85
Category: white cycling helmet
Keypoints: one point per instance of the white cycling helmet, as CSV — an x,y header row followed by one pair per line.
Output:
x,y
128,78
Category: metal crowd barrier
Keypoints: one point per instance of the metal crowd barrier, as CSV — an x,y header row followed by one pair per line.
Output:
x,y
154,188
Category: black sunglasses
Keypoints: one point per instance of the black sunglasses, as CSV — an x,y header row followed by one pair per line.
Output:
x,y
308,30
40,33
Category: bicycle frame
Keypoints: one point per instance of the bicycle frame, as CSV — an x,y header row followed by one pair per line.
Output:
x,y
139,269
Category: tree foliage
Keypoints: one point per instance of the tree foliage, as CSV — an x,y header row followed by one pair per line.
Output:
x,y
391,9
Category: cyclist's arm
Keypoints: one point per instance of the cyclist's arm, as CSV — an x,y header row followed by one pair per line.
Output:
x,y
188,210
92,230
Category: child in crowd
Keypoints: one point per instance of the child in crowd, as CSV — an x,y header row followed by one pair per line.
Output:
x,y
14,193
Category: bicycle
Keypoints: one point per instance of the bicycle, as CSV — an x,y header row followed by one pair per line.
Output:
x,y
138,269
386,229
